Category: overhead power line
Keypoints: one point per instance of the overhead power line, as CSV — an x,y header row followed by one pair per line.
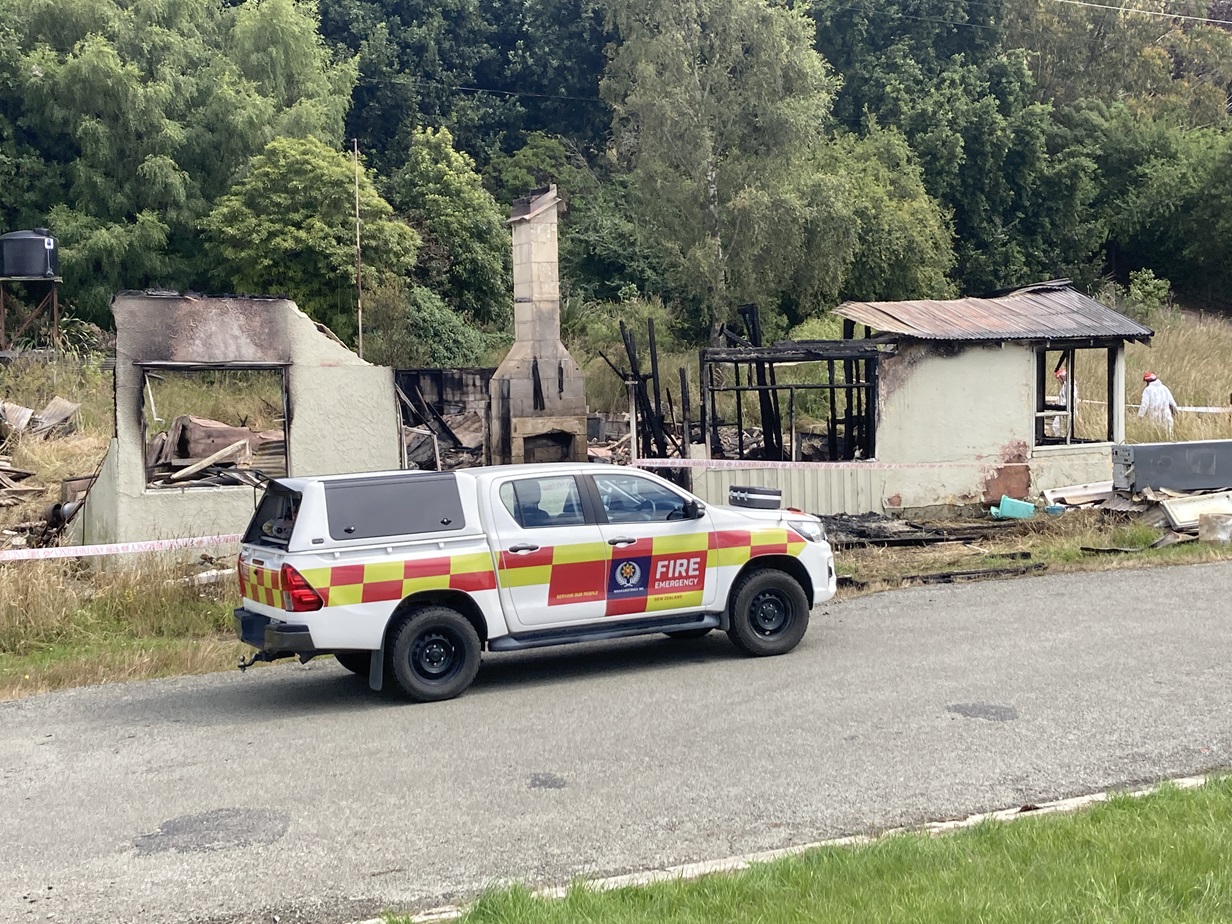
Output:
x,y
1132,9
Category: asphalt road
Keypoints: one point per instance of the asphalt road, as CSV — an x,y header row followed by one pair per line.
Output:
x,y
294,791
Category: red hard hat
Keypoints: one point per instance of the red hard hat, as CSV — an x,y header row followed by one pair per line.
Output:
x,y
1149,377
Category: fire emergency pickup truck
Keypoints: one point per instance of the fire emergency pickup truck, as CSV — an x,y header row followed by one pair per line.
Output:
x,y
409,576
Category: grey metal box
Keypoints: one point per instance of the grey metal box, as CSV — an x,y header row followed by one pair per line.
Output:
x,y
1193,466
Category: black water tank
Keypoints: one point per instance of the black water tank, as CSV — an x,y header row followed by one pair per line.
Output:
x,y
29,253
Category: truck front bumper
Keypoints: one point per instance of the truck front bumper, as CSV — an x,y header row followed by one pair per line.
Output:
x,y
265,634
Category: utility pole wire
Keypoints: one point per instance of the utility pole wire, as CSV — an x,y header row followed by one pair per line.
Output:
x,y
359,282
1130,9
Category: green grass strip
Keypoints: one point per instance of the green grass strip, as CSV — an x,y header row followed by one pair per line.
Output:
x,y
1165,857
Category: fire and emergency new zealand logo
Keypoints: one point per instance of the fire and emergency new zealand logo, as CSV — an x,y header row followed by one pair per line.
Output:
x,y
628,574
628,577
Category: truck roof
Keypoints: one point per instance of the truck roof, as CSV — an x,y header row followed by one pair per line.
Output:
x,y
479,473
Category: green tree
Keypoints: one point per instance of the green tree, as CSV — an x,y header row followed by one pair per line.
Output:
x,y
289,227
1179,68
892,52
413,328
132,117
904,244
717,104
465,257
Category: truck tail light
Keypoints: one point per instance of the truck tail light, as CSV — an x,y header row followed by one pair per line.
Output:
x,y
298,595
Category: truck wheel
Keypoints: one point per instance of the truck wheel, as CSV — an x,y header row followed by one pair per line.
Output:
x,y
357,662
436,654
685,634
769,613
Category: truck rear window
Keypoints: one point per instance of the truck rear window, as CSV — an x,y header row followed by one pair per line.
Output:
x,y
403,505
274,518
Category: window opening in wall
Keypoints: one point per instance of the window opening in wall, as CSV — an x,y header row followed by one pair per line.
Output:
x,y
213,425
1074,395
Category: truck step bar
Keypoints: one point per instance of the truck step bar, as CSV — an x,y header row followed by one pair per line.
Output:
x,y
544,638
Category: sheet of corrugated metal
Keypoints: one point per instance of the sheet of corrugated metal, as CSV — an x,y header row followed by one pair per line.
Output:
x,y
815,489
1038,313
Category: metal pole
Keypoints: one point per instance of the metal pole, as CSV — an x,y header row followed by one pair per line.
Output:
x,y
632,385
791,410
359,282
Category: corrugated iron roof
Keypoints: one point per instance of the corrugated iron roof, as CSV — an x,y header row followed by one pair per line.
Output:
x,y
1049,311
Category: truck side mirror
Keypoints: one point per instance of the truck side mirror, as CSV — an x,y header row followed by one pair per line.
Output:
x,y
692,510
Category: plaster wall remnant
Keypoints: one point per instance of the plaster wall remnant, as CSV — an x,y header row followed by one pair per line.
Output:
x,y
538,393
342,412
955,408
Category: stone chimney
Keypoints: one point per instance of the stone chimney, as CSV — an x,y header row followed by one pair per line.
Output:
x,y
538,396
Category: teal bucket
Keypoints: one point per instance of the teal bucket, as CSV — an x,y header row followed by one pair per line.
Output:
x,y
1010,509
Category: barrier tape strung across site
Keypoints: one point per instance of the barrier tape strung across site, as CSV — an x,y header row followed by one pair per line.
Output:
x,y
117,548
763,463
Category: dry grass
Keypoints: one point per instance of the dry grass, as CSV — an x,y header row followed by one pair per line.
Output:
x,y
63,625
60,667
237,397
1190,355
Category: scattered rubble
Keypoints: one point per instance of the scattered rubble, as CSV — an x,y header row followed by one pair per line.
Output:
x,y
448,442
11,492
54,418
199,451
869,529
1166,486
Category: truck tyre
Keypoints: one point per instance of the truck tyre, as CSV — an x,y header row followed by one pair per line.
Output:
x,y
769,613
685,635
357,662
435,654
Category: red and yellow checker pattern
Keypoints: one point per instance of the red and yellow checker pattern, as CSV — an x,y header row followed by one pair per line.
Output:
x,y
390,581
664,572
573,573
261,585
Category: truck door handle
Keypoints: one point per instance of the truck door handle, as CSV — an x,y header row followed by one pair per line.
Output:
x,y
524,548
621,540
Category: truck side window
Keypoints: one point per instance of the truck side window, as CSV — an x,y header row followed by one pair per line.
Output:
x,y
537,502
629,499
404,505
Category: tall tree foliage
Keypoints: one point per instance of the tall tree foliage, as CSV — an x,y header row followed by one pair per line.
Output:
x,y
1175,68
891,52
131,118
465,255
289,227
717,104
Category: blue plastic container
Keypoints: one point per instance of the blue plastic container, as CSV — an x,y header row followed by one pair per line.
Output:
x,y
1011,509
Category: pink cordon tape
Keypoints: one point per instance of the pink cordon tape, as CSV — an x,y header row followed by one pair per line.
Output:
x,y
117,548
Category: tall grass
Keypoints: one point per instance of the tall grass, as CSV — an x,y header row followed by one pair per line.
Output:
x,y
237,397
1190,354
58,602
32,381
64,625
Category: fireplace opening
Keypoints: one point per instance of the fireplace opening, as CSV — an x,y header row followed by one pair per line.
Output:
x,y
553,446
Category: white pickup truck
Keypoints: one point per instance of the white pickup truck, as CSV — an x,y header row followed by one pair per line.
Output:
x,y
413,574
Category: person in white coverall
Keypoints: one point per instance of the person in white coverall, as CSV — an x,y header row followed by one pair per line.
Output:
x,y
1157,402
1058,425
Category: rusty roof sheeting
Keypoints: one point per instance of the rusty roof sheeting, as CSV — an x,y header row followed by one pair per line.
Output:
x,y
1041,312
